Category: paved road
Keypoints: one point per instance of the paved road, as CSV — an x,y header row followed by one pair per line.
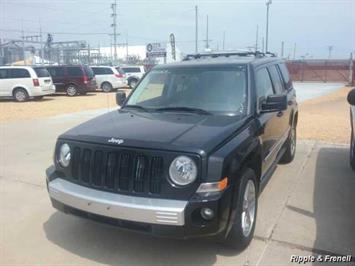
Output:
x,y
307,207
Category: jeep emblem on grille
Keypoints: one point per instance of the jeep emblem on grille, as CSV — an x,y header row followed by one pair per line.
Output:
x,y
116,141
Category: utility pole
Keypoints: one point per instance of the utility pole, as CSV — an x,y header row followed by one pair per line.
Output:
x,y
207,40
126,47
224,40
23,43
257,38
196,29
41,40
268,3
294,52
282,48
263,45
330,49
114,25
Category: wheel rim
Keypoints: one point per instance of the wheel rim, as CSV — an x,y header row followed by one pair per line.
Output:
x,y
71,90
133,83
248,213
106,87
20,95
293,141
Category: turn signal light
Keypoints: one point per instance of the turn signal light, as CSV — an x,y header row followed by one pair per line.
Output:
x,y
213,186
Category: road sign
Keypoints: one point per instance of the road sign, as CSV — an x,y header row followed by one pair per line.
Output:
x,y
155,50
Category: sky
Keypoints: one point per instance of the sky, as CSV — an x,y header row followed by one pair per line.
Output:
x,y
313,25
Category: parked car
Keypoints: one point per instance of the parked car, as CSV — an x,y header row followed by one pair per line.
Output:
x,y
351,100
73,79
188,152
108,78
24,82
133,74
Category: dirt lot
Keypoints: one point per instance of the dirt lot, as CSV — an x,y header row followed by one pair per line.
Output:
x,y
55,105
324,118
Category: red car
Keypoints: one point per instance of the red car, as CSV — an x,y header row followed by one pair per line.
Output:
x,y
73,79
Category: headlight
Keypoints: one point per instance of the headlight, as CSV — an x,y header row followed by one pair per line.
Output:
x,y
183,171
64,155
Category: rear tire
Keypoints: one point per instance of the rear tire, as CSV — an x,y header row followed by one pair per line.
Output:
x,y
20,95
132,83
291,142
242,231
71,90
106,87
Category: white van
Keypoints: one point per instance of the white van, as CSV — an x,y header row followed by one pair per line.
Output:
x,y
24,82
108,78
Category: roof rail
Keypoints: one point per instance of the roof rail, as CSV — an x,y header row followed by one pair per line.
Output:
x,y
227,54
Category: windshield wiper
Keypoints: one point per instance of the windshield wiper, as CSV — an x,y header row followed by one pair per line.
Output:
x,y
136,107
184,109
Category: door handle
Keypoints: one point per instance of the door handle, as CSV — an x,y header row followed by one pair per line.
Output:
x,y
279,114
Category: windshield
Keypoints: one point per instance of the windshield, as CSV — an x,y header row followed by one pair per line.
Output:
x,y
213,89
41,72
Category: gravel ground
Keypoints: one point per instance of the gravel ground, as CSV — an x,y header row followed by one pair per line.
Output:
x,y
325,118
55,105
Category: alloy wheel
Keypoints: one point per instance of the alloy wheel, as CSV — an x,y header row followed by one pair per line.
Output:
x,y
248,213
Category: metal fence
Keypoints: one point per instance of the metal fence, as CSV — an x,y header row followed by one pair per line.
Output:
x,y
323,70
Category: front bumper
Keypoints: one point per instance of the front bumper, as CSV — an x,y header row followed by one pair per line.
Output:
x,y
137,209
154,216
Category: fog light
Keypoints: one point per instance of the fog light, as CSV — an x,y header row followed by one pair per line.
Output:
x,y
207,213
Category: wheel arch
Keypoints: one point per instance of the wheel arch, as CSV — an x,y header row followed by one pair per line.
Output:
x,y
21,87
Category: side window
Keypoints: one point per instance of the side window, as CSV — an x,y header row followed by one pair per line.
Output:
x,y
276,80
74,71
108,71
263,84
97,70
56,71
285,75
4,73
19,73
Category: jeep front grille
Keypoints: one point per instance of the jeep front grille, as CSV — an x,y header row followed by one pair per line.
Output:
x,y
125,171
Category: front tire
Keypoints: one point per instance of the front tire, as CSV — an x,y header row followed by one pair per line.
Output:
x,y
291,142
242,231
20,95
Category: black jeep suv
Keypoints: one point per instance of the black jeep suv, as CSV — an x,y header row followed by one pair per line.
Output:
x,y
187,154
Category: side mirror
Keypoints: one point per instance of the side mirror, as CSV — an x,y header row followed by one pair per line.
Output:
x,y
120,98
274,103
351,97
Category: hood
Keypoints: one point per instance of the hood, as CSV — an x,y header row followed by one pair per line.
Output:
x,y
157,130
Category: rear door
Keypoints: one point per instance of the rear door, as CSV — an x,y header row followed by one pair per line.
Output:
x,y
284,116
58,77
20,77
5,88
75,75
269,121
44,78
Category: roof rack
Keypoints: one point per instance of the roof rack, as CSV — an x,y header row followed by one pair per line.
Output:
x,y
227,54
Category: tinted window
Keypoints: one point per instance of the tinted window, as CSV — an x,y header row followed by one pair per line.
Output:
x,y
56,71
120,70
102,70
4,73
41,72
276,79
285,75
263,83
131,69
89,72
19,73
74,71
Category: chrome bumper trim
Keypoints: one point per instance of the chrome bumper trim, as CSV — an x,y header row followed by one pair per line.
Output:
x,y
138,209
